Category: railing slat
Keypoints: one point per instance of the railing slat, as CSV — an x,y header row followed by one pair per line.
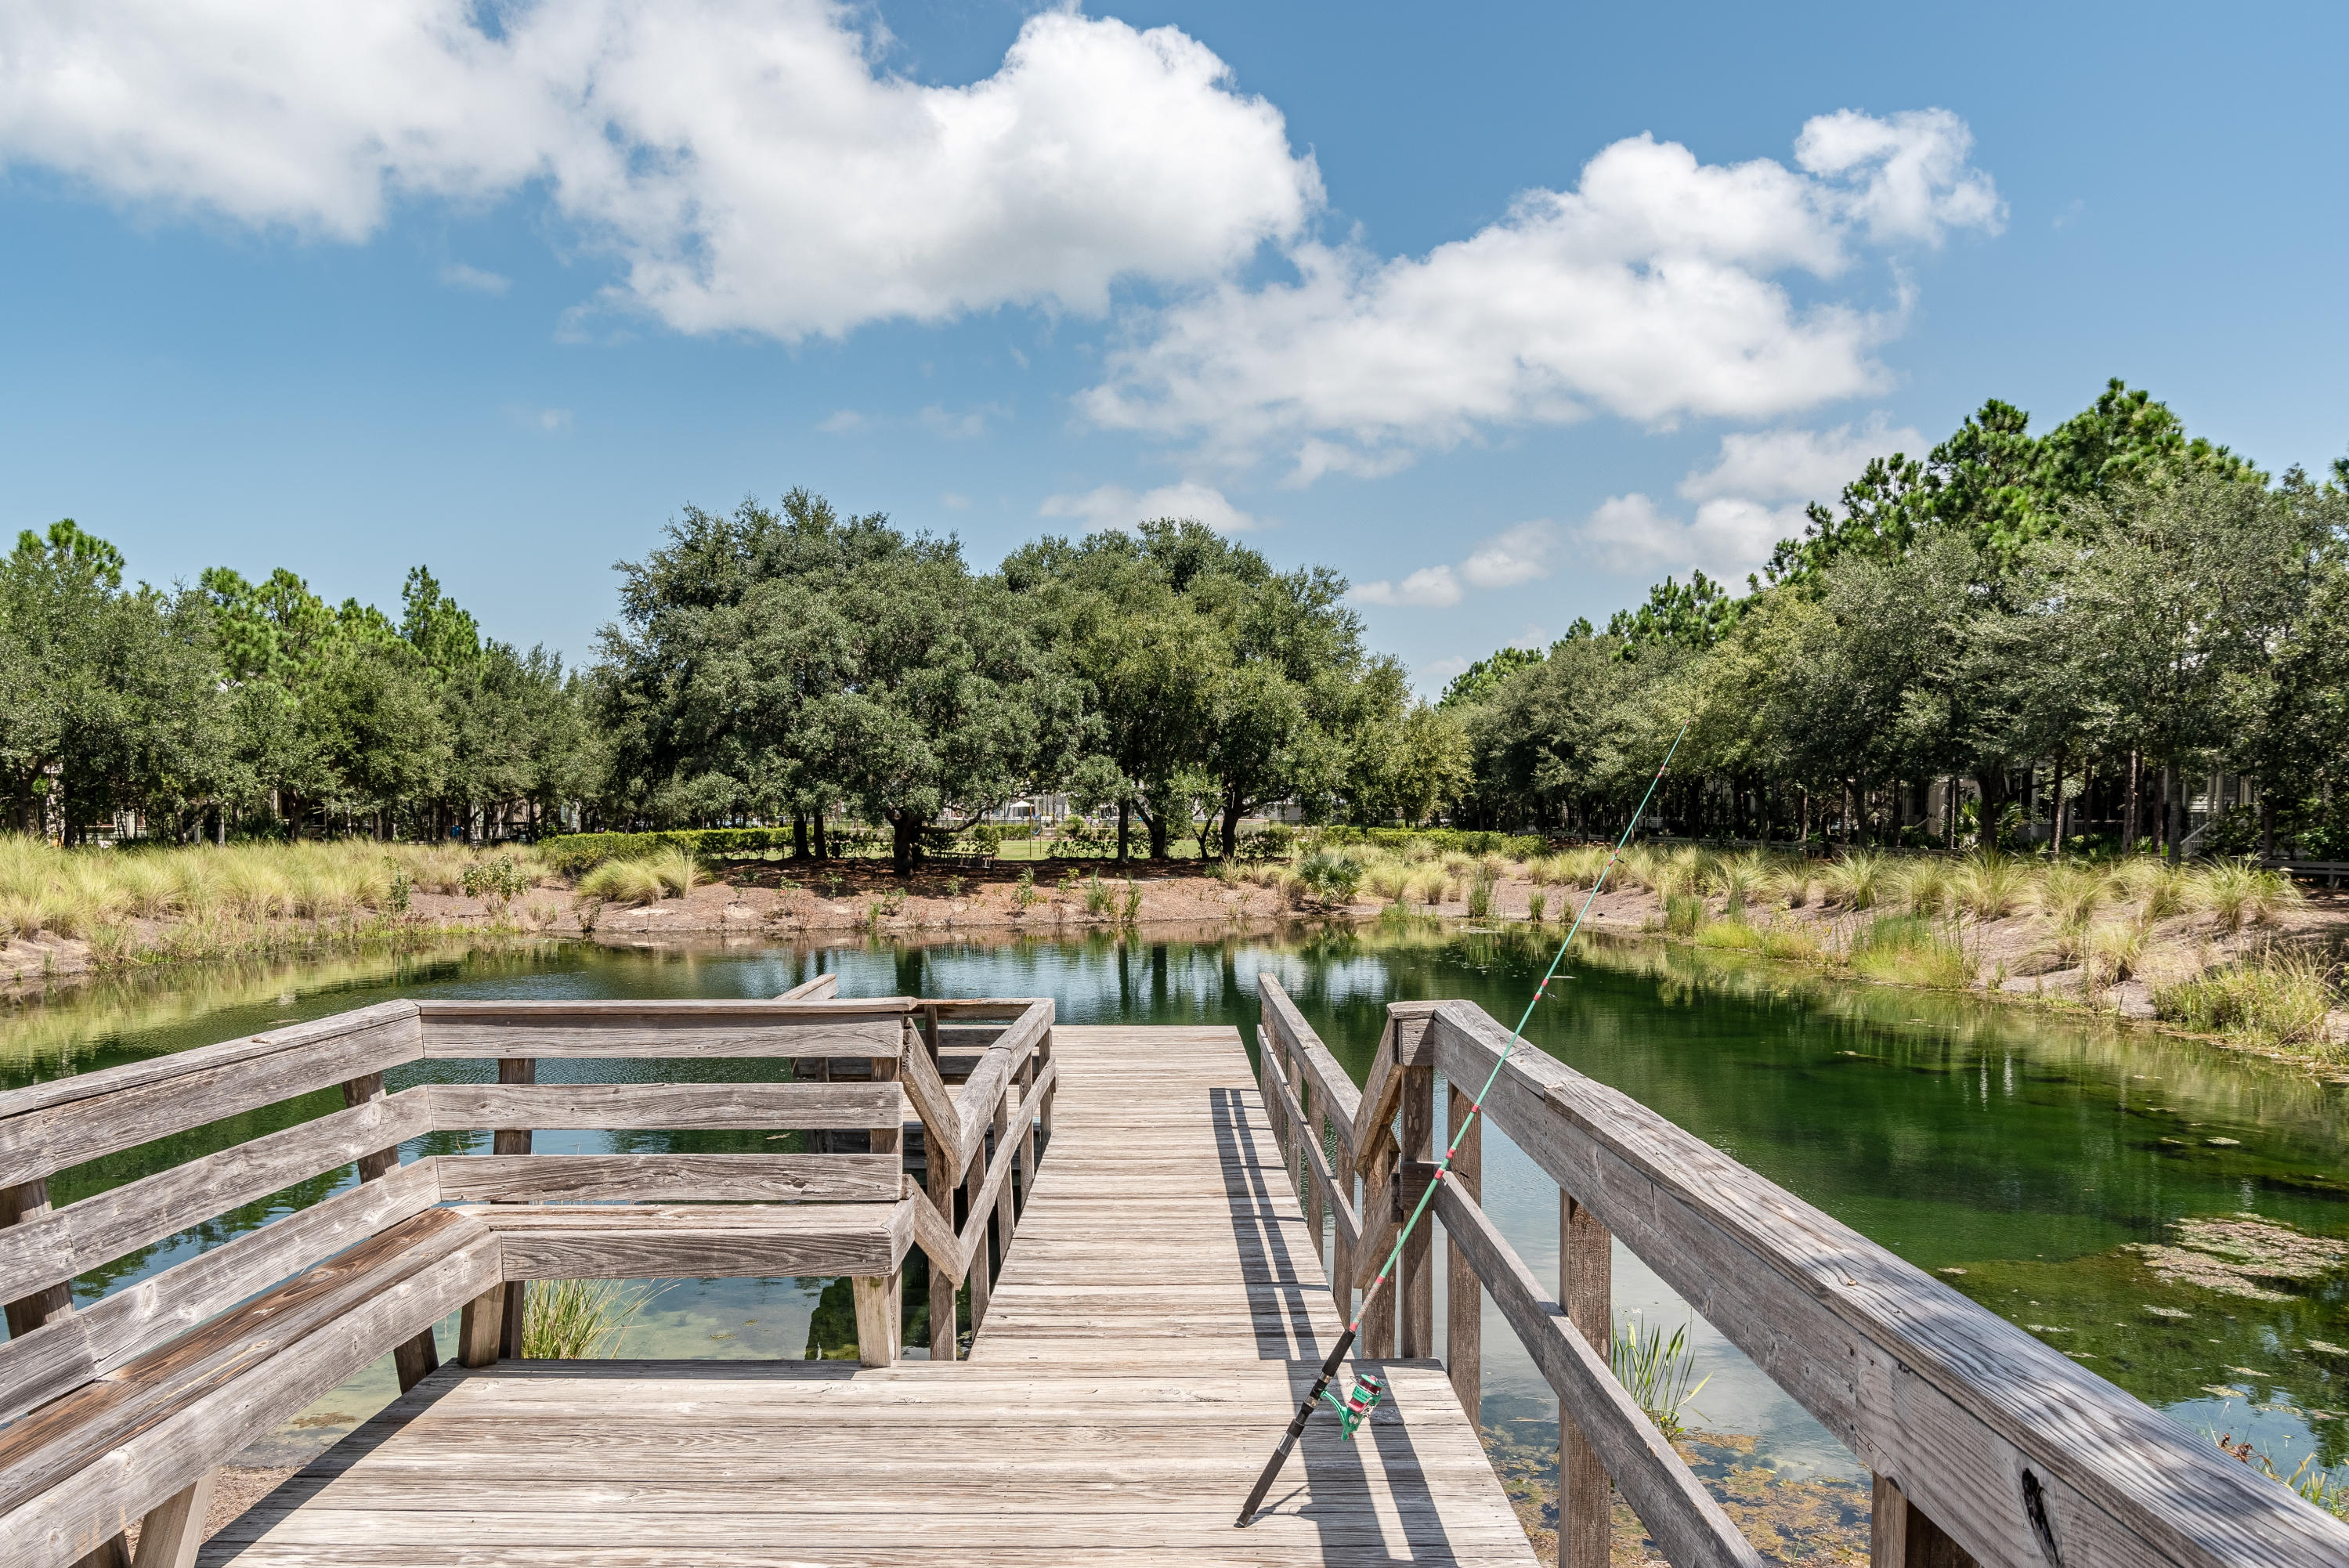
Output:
x,y
1586,1286
1464,1298
64,1242
672,1178
43,1131
674,1107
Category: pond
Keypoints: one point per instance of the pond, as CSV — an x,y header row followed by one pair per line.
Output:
x,y
2167,1214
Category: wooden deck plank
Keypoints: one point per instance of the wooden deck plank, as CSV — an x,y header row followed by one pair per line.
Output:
x,y
1160,1311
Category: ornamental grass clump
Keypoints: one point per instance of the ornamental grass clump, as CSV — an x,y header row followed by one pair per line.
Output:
x,y
579,1319
1907,950
2158,889
1480,893
2272,998
2236,894
1856,881
1991,885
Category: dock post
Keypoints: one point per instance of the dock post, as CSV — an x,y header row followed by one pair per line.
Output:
x,y
878,1317
1463,1294
1900,1536
415,1360
514,1140
1415,1290
1586,1288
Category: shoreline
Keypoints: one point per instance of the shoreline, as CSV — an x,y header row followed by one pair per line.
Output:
x,y
2013,959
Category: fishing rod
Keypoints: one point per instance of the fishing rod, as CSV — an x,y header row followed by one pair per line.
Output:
x,y
1370,1389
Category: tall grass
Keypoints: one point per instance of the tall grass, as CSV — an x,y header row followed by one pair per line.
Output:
x,y
1991,885
1856,881
2236,894
44,890
2272,998
647,880
1910,950
579,1319
1655,1370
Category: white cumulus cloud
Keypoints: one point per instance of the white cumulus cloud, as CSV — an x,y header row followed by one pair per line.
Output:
x,y
1515,555
1750,497
1115,506
1433,586
1653,290
746,160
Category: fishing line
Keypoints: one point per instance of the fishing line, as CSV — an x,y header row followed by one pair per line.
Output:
x,y
1368,1388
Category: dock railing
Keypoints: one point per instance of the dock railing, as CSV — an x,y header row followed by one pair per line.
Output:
x,y
119,1411
1986,1446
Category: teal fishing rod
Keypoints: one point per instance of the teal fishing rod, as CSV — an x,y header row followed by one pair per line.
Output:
x,y
1368,1388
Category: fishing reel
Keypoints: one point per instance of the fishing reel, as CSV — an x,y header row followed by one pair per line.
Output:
x,y
1356,1408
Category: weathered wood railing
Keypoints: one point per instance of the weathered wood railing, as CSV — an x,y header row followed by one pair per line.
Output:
x,y
121,1411
1987,1446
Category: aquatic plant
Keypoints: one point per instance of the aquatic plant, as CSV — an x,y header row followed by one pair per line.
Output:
x,y
1907,950
578,1319
1655,1370
1683,913
1537,906
1480,893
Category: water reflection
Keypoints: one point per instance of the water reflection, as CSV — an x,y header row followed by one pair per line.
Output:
x,y
2022,1154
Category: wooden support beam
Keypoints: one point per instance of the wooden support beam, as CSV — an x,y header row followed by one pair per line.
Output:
x,y
1586,1288
1006,1213
878,1316
1464,1298
174,1528
514,1070
940,1133
115,1553
1900,1536
1378,1336
22,1204
1415,1281
481,1329
415,1359
981,1276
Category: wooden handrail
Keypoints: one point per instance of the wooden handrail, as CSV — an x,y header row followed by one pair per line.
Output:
x,y
1980,1433
2004,1442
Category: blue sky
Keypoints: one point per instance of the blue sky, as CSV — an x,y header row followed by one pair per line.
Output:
x,y
1504,311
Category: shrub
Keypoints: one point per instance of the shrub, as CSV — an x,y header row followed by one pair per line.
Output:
x,y
986,839
1330,875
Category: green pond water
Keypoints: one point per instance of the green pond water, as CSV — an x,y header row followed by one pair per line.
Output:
x,y
2036,1153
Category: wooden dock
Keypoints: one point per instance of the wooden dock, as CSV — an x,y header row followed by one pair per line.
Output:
x,y
1155,1321
1141,1227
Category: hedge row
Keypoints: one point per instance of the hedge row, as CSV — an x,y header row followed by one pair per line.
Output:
x,y
570,853
1445,840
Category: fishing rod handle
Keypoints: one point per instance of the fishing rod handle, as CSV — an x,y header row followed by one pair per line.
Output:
x,y
1296,1429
